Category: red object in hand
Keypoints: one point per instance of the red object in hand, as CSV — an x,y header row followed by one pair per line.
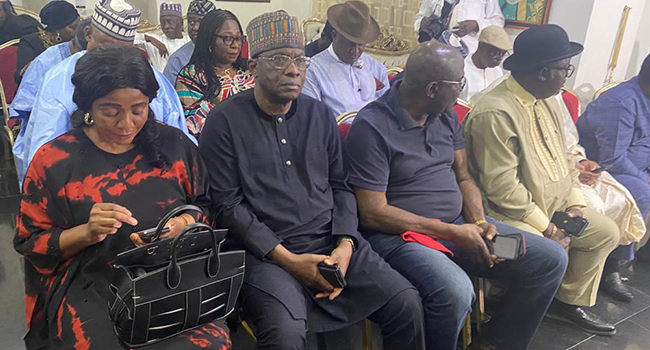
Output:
x,y
410,236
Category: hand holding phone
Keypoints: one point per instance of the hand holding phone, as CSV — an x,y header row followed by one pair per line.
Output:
x,y
601,169
332,274
147,235
574,226
507,246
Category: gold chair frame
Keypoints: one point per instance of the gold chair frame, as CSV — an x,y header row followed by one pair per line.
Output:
x,y
9,43
345,116
605,88
394,70
463,103
23,11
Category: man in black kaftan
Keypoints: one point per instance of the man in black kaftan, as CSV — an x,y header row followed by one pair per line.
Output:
x,y
278,182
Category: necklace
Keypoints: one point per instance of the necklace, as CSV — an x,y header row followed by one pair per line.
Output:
x,y
224,72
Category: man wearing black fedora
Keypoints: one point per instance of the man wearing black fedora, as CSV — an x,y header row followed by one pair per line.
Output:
x,y
518,155
343,77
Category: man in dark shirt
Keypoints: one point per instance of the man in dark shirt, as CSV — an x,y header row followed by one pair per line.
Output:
x,y
321,44
278,182
408,166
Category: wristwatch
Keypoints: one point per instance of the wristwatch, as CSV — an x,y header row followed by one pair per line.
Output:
x,y
348,239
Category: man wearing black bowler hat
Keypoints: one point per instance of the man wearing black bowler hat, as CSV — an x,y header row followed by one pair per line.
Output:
x,y
518,155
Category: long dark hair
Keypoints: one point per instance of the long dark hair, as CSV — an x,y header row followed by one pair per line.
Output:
x,y
105,69
202,57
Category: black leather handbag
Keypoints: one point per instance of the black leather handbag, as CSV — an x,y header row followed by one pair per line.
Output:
x,y
170,286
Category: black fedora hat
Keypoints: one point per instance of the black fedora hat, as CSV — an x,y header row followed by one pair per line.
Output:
x,y
539,45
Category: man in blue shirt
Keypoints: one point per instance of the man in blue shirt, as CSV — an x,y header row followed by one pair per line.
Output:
x,y
409,168
615,132
113,23
179,59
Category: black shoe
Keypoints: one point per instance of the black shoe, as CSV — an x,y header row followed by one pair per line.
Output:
x,y
612,285
580,317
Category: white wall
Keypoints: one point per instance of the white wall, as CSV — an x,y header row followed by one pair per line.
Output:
x,y
599,44
594,23
641,46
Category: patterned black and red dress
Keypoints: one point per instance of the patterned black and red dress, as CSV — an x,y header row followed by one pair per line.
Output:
x,y
67,299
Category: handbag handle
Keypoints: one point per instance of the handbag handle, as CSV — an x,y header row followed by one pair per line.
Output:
x,y
213,264
171,214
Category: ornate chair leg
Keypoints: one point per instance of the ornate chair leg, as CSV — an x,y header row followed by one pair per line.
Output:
x,y
479,312
248,330
366,335
466,332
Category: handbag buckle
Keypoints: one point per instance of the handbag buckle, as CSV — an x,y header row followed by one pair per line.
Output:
x,y
152,250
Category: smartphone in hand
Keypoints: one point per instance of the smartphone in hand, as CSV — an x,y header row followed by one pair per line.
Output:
x,y
573,226
332,274
601,169
507,246
147,235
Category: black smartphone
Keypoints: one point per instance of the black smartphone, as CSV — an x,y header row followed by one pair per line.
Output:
x,y
332,274
147,234
573,226
600,170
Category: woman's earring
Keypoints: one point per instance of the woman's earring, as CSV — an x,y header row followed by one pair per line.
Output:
x,y
88,119
58,38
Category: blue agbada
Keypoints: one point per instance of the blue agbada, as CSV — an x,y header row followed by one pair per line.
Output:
x,y
25,97
177,61
50,116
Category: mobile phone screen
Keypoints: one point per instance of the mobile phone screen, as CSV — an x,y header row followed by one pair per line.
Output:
x,y
506,247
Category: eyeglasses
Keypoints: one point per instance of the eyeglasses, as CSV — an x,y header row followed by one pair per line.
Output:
x,y
282,62
567,71
461,84
496,52
229,40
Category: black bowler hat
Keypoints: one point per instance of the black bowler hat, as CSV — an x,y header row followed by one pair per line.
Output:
x,y
539,45
58,14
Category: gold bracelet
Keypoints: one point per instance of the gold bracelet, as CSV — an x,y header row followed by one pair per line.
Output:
x,y
554,232
480,222
348,239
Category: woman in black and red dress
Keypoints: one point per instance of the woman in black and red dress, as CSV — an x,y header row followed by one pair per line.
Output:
x,y
118,171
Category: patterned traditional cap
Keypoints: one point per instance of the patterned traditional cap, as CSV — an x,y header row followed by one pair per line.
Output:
x,y
200,7
116,18
171,10
273,30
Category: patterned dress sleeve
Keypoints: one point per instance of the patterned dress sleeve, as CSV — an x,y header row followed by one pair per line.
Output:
x,y
190,87
40,221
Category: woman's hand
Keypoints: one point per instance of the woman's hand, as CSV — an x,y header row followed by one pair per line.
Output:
x,y
105,219
175,224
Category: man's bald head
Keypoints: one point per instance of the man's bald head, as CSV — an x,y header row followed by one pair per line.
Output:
x,y
433,61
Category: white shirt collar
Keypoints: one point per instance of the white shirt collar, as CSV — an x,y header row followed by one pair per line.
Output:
x,y
330,49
